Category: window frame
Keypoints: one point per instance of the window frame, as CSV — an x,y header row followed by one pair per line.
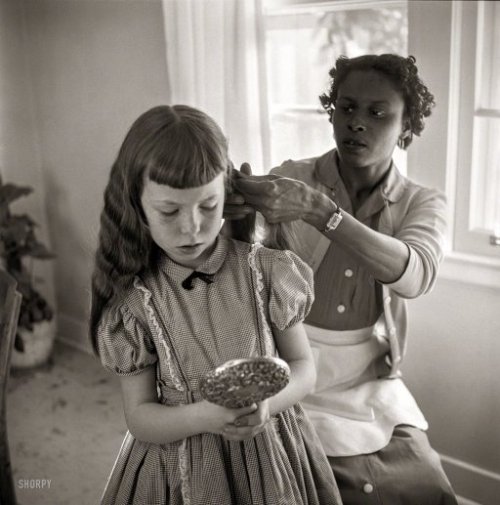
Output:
x,y
282,8
474,265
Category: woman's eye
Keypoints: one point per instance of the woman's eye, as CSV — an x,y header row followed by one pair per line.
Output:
x,y
347,108
378,113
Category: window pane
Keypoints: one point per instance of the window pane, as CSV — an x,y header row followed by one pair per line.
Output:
x,y
485,201
488,51
301,47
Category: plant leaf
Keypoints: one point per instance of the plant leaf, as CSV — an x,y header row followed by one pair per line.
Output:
x,y
39,251
11,192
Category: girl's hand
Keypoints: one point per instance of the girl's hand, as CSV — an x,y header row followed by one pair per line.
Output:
x,y
248,425
218,417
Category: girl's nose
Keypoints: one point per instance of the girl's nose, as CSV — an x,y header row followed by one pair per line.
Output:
x,y
190,223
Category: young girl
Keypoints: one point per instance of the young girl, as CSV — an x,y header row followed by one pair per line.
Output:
x,y
172,299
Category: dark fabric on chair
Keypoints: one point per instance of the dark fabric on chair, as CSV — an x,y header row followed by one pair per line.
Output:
x,y
10,302
405,472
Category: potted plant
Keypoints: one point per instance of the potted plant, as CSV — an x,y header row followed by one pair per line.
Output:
x,y
18,243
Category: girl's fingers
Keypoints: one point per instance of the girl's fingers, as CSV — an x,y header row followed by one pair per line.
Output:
x,y
244,411
232,432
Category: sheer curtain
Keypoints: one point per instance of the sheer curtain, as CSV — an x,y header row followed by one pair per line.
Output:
x,y
216,62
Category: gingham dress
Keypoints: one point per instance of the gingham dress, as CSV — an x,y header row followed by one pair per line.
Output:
x,y
185,333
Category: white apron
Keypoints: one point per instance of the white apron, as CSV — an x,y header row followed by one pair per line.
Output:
x,y
352,410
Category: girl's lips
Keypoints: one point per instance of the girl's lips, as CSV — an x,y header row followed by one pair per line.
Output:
x,y
190,247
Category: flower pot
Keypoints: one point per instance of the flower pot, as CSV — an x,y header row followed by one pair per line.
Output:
x,y
38,345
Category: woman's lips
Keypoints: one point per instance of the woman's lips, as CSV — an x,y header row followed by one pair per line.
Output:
x,y
353,143
353,146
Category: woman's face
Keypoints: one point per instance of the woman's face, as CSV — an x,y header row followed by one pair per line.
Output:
x,y
184,222
368,120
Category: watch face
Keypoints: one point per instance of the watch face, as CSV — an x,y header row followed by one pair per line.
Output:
x,y
334,221
241,382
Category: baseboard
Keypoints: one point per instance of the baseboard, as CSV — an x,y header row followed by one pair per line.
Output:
x,y
73,332
465,501
474,485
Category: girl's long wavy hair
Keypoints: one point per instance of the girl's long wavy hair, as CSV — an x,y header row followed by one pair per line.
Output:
x,y
175,145
402,72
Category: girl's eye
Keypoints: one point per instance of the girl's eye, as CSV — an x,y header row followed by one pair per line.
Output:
x,y
209,209
347,108
378,113
169,214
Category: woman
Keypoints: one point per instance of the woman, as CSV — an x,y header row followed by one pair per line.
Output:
x,y
373,239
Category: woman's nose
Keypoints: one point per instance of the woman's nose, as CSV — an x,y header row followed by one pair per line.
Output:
x,y
356,124
357,127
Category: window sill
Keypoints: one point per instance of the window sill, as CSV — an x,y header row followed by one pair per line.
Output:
x,y
471,269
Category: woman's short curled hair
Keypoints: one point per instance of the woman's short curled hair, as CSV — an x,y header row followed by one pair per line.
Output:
x,y
403,74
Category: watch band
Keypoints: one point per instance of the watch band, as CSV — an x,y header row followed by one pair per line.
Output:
x,y
334,220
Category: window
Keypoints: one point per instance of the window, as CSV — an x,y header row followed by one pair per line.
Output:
x,y
476,45
302,41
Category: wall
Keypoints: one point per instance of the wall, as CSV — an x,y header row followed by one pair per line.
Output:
x,y
20,155
454,347
451,368
96,65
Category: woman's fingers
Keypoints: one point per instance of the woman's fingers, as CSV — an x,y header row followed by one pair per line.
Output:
x,y
246,168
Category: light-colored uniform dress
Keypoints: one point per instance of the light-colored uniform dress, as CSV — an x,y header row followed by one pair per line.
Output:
x,y
184,334
368,421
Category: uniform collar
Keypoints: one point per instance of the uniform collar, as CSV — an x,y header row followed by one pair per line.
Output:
x,y
391,187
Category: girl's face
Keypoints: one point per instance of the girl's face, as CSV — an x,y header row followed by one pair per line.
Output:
x,y
184,222
368,119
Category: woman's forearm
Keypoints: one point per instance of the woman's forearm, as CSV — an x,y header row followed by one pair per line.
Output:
x,y
383,256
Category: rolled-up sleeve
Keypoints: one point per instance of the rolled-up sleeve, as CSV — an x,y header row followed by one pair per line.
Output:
x,y
423,230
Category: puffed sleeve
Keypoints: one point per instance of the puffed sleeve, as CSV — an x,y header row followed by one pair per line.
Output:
x,y
291,288
124,346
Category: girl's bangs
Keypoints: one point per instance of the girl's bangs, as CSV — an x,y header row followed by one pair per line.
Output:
x,y
186,161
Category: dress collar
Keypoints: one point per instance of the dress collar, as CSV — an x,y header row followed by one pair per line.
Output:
x,y
210,266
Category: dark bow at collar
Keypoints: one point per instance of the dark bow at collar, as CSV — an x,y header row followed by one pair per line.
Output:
x,y
187,283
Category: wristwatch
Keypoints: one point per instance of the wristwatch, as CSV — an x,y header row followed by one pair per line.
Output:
x,y
334,220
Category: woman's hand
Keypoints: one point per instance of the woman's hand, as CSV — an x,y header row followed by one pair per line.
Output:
x,y
248,425
278,199
234,205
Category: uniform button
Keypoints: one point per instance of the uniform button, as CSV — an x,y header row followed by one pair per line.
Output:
x,y
348,272
367,488
340,309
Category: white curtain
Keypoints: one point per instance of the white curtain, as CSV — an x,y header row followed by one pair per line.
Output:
x,y
216,62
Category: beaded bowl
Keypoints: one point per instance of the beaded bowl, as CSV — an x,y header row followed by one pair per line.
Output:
x,y
241,382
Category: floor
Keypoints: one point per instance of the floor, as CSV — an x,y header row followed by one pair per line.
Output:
x,y
65,426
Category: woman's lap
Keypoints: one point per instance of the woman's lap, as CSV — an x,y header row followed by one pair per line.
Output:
x,y
407,471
